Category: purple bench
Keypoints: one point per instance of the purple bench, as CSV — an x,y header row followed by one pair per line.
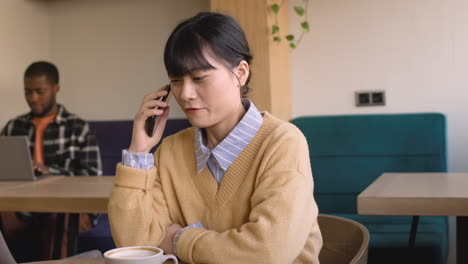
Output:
x,y
113,136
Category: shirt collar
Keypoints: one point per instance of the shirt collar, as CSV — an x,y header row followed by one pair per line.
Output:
x,y
230,148
62,115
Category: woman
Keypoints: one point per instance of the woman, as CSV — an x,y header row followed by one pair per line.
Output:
x,y
235,188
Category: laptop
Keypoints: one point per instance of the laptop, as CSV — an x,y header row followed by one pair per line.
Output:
x,y
15,159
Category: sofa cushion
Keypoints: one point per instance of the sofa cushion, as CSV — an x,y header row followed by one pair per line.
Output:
x,y
348,153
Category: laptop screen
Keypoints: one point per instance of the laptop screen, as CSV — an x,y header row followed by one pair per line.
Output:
x,y
15,159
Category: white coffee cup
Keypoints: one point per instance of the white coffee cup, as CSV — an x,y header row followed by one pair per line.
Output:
x,y
137,255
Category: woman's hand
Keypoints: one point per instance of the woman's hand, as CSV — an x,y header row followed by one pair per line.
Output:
x,y
141,142
167,243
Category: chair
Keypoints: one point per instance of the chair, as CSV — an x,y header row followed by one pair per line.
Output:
x,y
344,241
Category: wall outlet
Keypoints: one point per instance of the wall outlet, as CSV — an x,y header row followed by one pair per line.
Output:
x,y
362,99
369,98
378,98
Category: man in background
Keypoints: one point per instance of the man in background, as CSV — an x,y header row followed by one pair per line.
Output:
x,y
61,143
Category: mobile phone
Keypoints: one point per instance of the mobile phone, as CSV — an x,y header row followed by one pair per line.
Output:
x,y
151,121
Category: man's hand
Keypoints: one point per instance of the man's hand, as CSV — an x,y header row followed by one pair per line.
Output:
x,y
167,243
44,170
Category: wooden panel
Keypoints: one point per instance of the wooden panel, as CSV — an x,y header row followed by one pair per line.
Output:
x,y
280,65
271,64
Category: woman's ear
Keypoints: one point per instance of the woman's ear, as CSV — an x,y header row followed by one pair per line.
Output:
x,y
243,71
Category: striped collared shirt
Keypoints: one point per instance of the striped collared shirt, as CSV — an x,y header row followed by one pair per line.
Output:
x,y
220,158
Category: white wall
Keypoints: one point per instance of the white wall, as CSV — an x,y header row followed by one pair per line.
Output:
x,y
110,52
24,37
415,50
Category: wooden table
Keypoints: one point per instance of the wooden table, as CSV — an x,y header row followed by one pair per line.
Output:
x,y
58,194
71,261
442,194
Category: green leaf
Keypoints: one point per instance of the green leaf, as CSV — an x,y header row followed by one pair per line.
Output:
x,y
274,29
299,10
276,39
305,26
290,37
292,45
275,8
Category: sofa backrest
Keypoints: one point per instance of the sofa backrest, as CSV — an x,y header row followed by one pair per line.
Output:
x,y
113,136
349,152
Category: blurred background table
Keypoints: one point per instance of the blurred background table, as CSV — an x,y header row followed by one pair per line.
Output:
x,y
58,194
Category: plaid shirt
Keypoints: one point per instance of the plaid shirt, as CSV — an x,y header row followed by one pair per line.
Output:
x,y
70,146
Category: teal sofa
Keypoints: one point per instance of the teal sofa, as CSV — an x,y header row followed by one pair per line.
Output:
x,y
349,152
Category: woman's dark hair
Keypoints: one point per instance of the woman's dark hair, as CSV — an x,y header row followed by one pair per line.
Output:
x,y
43,68
221,34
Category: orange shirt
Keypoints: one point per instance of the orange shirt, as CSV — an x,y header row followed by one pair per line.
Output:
x,y
40,123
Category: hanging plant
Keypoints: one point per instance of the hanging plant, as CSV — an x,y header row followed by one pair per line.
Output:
x,y
299,10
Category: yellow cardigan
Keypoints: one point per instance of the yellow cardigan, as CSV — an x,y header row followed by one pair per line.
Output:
x,y
263,211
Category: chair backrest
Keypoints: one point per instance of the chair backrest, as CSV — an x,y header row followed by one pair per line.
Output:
x,y
5,255
113,136
349,152
344,241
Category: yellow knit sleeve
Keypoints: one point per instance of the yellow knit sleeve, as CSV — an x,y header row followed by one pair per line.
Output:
x,y
137,208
